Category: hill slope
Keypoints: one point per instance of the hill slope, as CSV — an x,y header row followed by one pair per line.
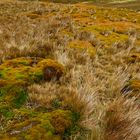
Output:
x,y
69,72
131,4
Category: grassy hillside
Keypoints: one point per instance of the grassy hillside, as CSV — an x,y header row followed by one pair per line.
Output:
x,y
131,4
69,72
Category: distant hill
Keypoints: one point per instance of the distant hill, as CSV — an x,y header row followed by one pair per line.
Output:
x,y
131,4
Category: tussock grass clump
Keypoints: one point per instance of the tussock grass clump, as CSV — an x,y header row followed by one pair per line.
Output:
x,y
121,120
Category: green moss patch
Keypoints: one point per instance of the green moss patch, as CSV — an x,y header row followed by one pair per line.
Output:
x,y
42,126
25,71
83,46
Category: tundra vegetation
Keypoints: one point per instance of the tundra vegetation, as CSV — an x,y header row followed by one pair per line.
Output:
x,y
69,71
